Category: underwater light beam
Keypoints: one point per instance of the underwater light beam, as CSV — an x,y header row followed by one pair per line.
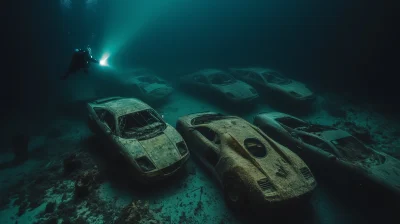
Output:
x,y
126,19
104,58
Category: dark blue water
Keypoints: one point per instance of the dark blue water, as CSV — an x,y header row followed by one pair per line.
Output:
x,y
347,48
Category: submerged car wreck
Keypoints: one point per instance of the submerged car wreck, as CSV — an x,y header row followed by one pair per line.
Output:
x,y
274,84
329,149
220,83
153,149
251,167
150,87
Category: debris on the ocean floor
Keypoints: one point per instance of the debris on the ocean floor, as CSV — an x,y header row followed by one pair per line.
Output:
x,y
86,182
137,212
71,163
20,143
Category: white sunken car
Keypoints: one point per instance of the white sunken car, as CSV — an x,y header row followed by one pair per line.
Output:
x,y
219,84
153,149
334,152
275,85
148,86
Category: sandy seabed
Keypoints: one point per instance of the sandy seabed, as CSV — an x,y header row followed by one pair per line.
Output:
x,y
40,192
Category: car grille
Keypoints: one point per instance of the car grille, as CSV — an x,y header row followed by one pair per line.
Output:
x,y
171,168
266,185
306,173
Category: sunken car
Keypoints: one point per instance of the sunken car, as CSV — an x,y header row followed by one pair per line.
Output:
x,y
334,151
275,84
251,168
149,87
219,83
152,148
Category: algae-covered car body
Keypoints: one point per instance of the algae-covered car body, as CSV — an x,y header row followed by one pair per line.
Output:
x,y
251,167
219,84
150,87
275,84
328,149
152,148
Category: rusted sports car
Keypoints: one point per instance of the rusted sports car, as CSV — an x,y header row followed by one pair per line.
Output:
x,y
251,167
274,84
219,84
152,148
149,87
329,149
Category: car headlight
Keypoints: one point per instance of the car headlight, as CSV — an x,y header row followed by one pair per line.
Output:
x,y
182,148
230,95
145,164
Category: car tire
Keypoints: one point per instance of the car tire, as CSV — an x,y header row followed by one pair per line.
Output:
x,y
234,192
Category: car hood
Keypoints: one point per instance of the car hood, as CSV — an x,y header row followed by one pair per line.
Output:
x,y
161,150
387,173
296,87
239,89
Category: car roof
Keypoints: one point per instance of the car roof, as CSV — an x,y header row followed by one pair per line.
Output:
x,y
258,69
121,106
208,72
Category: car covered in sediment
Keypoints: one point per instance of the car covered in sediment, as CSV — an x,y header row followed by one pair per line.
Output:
x,y
152,148
219,83
149,86
274,84
330,150
251,168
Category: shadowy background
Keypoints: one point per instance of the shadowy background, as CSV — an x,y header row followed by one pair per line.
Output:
x,y
343,46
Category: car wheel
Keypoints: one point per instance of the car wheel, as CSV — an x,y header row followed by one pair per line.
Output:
x,y
234,192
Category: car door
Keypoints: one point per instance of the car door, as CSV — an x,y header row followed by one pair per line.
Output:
x,y
106,121
207,146
315,149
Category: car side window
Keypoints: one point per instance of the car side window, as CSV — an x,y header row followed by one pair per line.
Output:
x,y
200,79
316,142
210,154
106,117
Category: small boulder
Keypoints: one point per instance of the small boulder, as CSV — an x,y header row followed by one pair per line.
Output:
x,y
71,163
86,182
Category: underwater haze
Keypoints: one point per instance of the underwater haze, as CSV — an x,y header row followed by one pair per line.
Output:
x,y
332,65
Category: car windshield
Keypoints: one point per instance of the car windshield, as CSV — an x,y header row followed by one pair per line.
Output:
x,y
352,149
140,124
276,78
151,79
221,79
291,122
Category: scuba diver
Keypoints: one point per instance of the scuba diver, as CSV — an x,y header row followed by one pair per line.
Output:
x,y
80,60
